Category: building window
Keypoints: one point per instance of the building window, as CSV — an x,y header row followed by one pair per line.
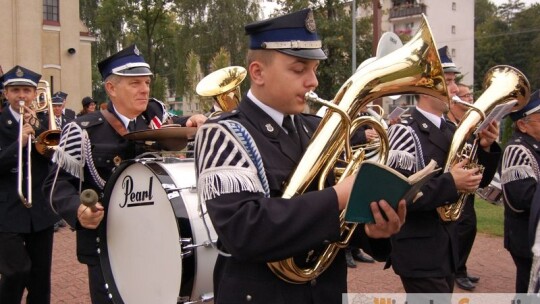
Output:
x,y
453,29
50,10
453,53
453,6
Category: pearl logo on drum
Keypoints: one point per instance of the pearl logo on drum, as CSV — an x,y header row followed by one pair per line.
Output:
x,y
135,197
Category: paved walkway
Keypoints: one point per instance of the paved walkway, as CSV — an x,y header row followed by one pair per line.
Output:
x,y
489,260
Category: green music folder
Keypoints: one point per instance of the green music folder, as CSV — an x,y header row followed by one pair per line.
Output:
x,y
375,182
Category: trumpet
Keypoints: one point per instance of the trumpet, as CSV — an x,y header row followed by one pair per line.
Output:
x,y
45,143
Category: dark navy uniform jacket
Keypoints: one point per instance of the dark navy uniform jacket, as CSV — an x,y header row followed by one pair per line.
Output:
x,y
107,149
14,216
256,229
426,246
519,173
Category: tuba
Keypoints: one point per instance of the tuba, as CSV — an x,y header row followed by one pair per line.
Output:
x,y
414,68
224,86
503,84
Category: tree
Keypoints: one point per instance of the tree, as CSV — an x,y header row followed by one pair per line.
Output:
x,y
333,19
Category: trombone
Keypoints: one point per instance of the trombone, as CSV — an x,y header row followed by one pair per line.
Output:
x,y
45,143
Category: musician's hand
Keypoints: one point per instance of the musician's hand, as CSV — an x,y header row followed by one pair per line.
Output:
x,y
385,227
343,190
27,132
30,117
371,135
489,135
90,217
467,180
196,120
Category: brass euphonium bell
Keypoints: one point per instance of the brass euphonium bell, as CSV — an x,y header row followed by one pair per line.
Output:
x,y
224,86
502,84
47,141
415,68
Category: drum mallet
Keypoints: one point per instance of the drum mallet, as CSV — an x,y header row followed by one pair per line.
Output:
x,y
89,198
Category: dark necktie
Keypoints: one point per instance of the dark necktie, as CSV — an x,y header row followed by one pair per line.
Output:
x,y
58,122
291,130
132,126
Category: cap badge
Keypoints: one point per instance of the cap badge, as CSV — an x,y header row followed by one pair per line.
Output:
x,y
136,51
269,128
310,22
19,73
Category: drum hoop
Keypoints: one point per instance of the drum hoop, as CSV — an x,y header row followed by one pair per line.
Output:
x,y
182,219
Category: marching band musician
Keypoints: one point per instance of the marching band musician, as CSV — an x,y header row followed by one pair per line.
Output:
x,y
26,234
424,252
519,180
254,224
96,138
466,224
68,114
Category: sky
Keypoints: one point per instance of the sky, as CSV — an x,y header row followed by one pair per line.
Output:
x,y
527,2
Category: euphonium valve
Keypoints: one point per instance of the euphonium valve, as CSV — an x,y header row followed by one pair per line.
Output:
x,y
502,84
414,68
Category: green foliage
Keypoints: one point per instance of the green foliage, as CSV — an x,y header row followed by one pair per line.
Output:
x,y
510,36
490,218
221,59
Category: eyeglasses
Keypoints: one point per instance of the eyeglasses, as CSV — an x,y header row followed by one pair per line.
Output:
x,y
469,95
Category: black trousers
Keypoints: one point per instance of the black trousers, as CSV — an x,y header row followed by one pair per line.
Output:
x,y
96,281
466,231
25,262
418,288
523,272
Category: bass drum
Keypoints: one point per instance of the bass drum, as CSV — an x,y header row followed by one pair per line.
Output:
x,y
156,246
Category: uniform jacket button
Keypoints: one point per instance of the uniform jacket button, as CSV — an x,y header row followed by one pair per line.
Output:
x,y
248,298
313,282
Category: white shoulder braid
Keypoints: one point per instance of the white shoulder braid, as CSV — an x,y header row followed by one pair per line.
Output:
x,y
518,163
68,154
405,150
223,164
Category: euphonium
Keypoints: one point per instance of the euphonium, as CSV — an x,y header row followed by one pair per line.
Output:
x,y
502,84
224,86
414,68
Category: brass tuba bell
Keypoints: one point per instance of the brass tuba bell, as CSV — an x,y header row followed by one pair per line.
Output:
x,y
414,68
502,84
224,86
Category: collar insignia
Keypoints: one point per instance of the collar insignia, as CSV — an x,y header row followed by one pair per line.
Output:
x,y
424,125
269,128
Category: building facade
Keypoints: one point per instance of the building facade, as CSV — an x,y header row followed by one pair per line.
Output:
x,y
47,36
451,22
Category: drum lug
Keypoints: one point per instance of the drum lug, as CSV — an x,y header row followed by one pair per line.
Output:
x,y
187,247
205,298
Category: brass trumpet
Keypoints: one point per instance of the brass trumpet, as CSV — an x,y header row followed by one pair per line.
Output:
x,y
224,86
415,68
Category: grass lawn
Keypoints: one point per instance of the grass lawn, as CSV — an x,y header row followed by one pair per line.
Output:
x,y
490,217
